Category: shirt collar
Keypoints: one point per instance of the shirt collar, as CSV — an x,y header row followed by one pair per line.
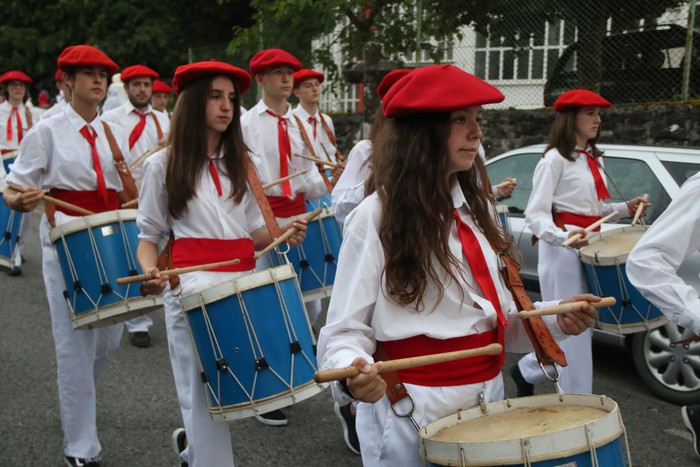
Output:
x,y
458,198
304,114
261,107
129,107
77,122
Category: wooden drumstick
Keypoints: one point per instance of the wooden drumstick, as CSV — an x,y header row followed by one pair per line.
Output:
x,y
142,158
130,204
317,160
203,267
640,208
283,179
567,307
325,376
593,226
338,156
53,200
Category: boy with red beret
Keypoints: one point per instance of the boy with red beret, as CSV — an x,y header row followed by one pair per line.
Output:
x,y
160,96
146,129
70,153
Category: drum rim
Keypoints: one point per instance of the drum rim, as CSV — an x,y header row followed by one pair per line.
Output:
x,y
608,428
93,220
236,285
590,258
121,311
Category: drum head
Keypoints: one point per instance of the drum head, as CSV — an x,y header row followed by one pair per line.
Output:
x,y
613,246
94,220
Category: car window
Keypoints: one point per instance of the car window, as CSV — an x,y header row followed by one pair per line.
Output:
x,y
681,171
629,178
520,166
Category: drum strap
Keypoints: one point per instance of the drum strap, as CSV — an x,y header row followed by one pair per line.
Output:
x,y
130,192
395,389
546,348
264,204
165,261
308,144
28,114
326,127
557,221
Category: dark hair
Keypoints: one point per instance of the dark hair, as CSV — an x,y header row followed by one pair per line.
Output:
x,y
411,164
187,152
562,135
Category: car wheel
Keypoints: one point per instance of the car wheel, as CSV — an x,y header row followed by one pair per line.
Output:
x,y
671,371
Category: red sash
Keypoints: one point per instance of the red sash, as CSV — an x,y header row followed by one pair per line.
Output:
x,y
287,207
195,251
579,220
86,199
455,373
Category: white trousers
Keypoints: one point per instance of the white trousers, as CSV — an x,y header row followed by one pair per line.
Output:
x,y
17,253
139,324
561,275
389,440
209,442
81,359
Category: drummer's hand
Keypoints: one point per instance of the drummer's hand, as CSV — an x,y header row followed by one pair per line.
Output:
x,y
157,285
506,187
634,203
298,237
575,322
24,202
337,172
368,386
581,242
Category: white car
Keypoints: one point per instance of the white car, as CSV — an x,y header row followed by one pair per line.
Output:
x,y
672,371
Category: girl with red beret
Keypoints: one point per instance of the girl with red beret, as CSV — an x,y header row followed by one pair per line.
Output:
x,y
197,189
419,271
70,153
569,182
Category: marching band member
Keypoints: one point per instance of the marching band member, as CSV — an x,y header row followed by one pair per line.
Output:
x,y
147,129
63,97
197,189
429,281
317,125
568,194
16,119
161,94
71,154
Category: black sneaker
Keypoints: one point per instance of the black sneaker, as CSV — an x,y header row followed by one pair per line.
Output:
x,y
140,339
15,271
179,439
347,421
691,418
274,418
78,462
524,388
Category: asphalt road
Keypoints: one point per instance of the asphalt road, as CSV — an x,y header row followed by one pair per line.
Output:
x,y
138,410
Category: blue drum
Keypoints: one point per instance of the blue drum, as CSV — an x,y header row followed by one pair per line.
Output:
x,y
540,431
315,261
503,216
10,222
93,252
254,343
604,263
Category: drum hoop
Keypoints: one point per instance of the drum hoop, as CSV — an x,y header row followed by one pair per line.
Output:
x,y
10,155
588,253
607,428
502,209
94,220
236,286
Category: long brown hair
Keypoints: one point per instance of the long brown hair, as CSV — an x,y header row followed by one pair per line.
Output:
x,y
411,165
562,135
187,153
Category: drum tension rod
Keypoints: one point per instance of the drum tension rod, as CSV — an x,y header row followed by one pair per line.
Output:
x,y
77,286
105,289
330,258
304,263
261,364
295,347
204,378
221,364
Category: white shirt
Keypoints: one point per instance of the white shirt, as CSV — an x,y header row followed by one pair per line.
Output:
x,y
564,186
5,109
360,311
260,136
207,214
653,264
56,155
322,140
127,117
350,189
57,108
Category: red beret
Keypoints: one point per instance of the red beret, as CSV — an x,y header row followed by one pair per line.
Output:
x,y
15,75
302,75
160,86
133,71
86,56
270,58
579,98
58,76
437,88
188,73
389,80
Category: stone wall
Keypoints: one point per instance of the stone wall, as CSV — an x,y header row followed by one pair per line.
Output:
x,y
654,125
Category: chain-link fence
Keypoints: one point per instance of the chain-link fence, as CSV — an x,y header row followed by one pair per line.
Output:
x,y
631,52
